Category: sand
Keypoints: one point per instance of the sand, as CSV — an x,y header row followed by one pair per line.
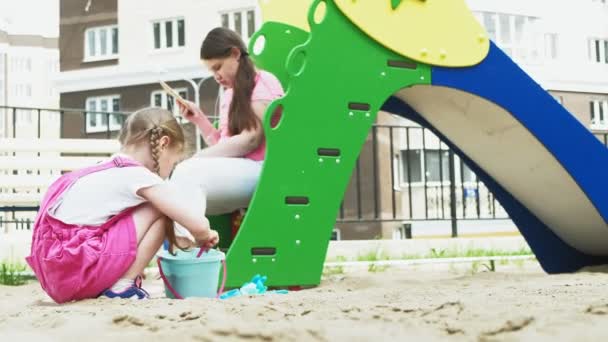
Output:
x,y
438,303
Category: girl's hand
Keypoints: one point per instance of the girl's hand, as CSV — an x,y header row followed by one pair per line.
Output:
x,y
208,240
190,111
184,242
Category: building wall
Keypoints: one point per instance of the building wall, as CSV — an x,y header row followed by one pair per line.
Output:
x,y
560,35
362,198
138,62
578,104
199,17
131,99
76,18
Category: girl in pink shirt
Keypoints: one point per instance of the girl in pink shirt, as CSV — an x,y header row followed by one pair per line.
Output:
x,y
99,227
222,177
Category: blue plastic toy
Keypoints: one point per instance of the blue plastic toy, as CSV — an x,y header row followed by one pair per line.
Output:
x,y
254,287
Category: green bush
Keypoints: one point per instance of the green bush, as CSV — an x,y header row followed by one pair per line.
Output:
x,y
12,274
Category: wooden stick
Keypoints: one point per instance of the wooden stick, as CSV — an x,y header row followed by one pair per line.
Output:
x,y
173,93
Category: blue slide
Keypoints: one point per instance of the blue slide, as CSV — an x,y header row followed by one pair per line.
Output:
x,y
546,169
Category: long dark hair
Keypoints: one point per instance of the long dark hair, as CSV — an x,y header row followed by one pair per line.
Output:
x,y
220,43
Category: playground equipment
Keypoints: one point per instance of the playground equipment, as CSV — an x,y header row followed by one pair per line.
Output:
x,y
431,62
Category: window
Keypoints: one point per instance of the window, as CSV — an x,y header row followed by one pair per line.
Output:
x,y
13,64
160,98
169,34
599,111
21,64
22,90
598,50
101,43
551,46
52,66
24,117
242,22
437,167
225,20
97,116
412,166
516,35
114,44
250,23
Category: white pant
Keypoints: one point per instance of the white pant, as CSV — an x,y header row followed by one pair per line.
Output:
x,y
216,185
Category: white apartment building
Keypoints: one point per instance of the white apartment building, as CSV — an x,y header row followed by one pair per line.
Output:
x,y
29,60
562,44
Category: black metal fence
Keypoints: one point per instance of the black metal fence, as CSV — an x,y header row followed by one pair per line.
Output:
x,y
7,225
404,173
31,122
409,166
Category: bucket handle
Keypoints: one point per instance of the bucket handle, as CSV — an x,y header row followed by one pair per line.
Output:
x,y
174,292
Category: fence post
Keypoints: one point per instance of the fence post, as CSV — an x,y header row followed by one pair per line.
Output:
x,y
14,124
453,195
108,132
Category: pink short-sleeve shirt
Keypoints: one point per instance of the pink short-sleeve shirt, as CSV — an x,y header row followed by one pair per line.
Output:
x,y
267,88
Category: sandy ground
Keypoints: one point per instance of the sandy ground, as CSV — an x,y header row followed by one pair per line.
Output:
x,y
446,303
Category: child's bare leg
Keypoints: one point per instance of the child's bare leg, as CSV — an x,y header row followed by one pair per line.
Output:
x,y
150,225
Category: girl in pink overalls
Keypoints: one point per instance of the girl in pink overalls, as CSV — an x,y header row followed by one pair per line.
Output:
x,y
99,227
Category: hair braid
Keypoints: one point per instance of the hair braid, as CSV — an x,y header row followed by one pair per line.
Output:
x,y
144,129
155,135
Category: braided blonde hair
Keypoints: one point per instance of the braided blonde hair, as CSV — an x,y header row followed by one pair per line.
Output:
x,y
149,125
155,135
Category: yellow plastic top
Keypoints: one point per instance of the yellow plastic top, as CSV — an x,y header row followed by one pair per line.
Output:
x,y
435,32
291,12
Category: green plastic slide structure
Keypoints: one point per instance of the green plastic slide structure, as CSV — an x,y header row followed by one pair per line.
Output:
x,y
336,80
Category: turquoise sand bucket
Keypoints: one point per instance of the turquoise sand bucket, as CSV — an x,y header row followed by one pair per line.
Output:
x,y
192,273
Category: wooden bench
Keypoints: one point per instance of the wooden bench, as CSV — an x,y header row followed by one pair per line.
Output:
x,y
29,166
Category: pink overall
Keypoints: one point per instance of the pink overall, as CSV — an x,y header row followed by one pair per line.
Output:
x,y
74,262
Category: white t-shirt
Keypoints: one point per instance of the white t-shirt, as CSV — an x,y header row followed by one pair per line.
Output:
x,y
95,198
